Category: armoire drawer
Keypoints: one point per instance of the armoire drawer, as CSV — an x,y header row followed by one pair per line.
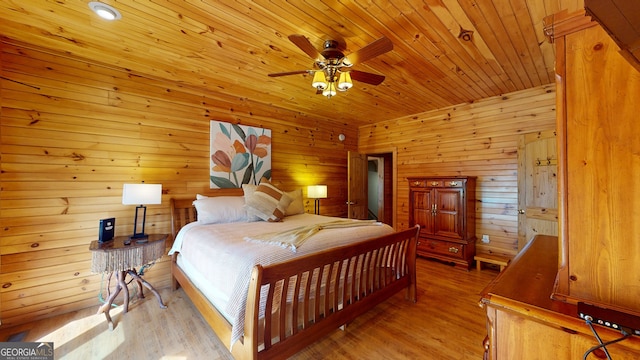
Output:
x,y
449,249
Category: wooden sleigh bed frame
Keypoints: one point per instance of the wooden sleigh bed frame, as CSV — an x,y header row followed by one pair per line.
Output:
x,y
382,266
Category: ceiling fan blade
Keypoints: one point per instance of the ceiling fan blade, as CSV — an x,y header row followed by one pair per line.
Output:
x,y
289,73
365,77
370,51
305,45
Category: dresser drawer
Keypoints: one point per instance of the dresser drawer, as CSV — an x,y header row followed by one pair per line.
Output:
x,y
422,183
418,183
453,250
452,183
426,183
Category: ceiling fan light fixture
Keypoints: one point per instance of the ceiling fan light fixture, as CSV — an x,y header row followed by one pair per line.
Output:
x,y
319,80
330,90
105,11
331,68
344,83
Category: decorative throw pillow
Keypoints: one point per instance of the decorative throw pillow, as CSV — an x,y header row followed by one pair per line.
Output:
x,y
249,189
297,203
220,209
268,202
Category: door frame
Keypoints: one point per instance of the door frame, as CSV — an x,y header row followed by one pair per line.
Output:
x,y
394,178
379,190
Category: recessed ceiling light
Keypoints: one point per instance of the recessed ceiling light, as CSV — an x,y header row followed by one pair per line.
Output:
x,y
105,11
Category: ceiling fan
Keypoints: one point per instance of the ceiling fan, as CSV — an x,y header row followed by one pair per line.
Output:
x,y
332,69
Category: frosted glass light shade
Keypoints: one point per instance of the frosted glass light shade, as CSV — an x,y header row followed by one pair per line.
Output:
x,y
141,194
105,11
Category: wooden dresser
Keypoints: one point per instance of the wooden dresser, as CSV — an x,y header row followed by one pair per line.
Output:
x,y
523,322
444,207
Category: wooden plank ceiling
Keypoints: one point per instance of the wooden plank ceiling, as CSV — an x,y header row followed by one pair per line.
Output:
x,y
229,47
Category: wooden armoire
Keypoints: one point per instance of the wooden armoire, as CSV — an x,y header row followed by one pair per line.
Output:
x,y
533,306
444,207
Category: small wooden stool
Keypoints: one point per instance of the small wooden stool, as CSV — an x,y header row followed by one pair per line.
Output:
x,y
502,261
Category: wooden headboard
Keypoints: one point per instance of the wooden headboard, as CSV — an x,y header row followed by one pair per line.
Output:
x,y
183,211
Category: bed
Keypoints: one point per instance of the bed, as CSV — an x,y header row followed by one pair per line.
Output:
x,y
292,295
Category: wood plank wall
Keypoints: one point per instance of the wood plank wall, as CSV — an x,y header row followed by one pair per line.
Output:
x,y
478,139
73,131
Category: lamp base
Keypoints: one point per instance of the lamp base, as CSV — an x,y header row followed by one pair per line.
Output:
x,y
139,238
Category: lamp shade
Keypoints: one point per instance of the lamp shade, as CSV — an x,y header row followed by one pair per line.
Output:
x,y
141,194
317,191
344,82
330,90
319,80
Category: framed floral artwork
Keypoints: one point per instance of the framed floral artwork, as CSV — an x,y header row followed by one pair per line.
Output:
x,y
239,155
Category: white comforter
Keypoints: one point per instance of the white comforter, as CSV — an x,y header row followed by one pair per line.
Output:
x,y
220,255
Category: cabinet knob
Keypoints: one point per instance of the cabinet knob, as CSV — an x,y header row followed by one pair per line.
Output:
x,y
453,183
416,183
521,211
434,183
454,250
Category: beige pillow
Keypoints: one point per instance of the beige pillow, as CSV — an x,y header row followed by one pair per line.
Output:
x,y
248,190
297,203
268,202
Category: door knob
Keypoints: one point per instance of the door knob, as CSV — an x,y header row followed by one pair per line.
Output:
x,y
350,203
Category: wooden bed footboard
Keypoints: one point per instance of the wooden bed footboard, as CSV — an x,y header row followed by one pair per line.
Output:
x,y
325,291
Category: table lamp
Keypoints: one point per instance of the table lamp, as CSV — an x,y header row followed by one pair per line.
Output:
x,y
141,195
317,192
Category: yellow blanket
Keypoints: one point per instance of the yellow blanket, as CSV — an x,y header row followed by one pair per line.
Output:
x,y
294,238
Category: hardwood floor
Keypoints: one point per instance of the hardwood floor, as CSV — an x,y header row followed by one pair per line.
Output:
x,y
445,323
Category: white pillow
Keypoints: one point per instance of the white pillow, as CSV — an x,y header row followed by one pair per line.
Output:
x,y
220,209
297,203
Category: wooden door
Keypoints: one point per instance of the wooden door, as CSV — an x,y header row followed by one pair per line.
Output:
x,y
357,202
537,186
448,204
422,211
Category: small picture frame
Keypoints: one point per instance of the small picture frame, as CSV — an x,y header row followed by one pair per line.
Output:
x,y
107,229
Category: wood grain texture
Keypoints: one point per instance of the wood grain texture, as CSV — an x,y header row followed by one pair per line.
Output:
x,y
81,130
602,161
89,105
229,48
525,323
450,325
477,139
78,131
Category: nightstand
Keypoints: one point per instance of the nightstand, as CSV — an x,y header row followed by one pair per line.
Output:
x,y
122,257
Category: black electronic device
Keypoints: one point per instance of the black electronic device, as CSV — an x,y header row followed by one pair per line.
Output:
x,y
610,318
107,229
